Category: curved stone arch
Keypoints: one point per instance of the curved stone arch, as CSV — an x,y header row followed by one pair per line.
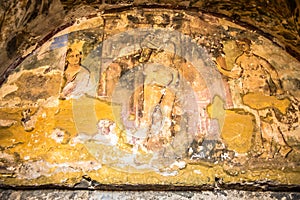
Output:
x,y
160,39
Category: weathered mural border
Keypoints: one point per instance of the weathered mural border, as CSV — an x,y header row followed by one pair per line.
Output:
x,y
87,182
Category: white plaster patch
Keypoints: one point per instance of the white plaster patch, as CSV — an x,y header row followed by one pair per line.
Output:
x,y
26,157
35,169
29,50
106,133
180,164
196,171
58,135
80,138
7,89
7,122
50,102
8,157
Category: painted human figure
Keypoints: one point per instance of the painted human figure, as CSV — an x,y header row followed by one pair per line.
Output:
x,y
254,73
158,104
109,79
77,78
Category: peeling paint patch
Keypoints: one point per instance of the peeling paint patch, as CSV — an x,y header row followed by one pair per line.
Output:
x,y
5,123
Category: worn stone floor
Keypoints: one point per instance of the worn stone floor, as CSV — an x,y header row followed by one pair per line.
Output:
x,y
151,195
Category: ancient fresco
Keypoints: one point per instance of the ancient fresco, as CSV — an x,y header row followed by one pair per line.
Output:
x,y
143,97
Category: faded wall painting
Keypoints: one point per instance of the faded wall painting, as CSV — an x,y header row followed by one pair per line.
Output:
x,y
143,97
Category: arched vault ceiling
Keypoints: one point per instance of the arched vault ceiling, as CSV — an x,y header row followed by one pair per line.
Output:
x,y
27,24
